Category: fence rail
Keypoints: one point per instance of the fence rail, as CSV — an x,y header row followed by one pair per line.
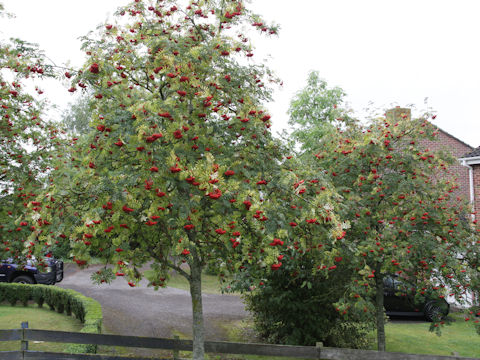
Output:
x,y
305,352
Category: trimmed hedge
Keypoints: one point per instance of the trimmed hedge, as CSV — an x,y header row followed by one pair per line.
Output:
x,y
67,301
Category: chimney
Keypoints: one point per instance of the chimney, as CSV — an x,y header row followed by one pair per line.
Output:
x,y
396,114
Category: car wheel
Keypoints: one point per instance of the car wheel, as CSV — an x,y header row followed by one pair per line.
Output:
x,y
435,310
23,279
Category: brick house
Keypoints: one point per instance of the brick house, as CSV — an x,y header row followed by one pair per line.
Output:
x,y
471,161
458,149
466,170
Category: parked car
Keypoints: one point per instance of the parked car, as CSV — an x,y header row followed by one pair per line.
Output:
x,y
399,299
30,274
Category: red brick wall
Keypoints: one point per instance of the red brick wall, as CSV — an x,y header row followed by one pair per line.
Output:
x,y
457,149
476,181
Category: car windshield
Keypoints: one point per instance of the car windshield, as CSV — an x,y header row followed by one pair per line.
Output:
x,y
29,262
397,283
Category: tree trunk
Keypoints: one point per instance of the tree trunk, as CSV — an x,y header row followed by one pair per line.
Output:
x,y
379,309
197,308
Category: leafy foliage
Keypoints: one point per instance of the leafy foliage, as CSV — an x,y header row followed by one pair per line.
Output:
x,y
295,307
27,141
315,112
182,166
396,197
396,201
77,118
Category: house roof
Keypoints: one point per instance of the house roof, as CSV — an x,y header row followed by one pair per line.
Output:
x,y
472,154
454,137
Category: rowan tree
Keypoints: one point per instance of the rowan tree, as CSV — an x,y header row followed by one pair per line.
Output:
x,y
402,217
182,169
27,141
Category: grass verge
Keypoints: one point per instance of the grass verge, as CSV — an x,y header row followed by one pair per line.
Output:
x,y
11,317
457,338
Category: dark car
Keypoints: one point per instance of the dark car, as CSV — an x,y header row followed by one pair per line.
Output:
x,y
399,299
29,274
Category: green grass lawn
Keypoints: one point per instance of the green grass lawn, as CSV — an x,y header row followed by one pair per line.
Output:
x,y
11,317
405,336
210,283
459,337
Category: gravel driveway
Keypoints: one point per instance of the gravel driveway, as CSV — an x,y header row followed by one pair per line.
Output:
x,y
141,311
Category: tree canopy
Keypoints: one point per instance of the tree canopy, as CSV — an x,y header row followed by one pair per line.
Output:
x,y
402,218
28,141
182,169
315,111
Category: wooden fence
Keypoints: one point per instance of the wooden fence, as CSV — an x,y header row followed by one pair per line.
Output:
x,y
305,352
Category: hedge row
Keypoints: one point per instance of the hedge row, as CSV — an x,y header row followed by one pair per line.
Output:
x,y
67,301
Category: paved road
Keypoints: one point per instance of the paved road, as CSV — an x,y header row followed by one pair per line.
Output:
x,y
141,311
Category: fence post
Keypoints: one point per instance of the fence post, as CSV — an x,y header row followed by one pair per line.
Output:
x,y
24,343
319,346
176,355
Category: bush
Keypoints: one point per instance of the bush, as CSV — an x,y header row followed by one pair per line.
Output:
x,y
348,334
17,293
87,310
38,296
295,308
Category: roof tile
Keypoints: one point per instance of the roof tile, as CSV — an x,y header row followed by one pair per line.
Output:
x,y
474,153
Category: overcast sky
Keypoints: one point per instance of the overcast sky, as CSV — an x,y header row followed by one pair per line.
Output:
x,y
382,51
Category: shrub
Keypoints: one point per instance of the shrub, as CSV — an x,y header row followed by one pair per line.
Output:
x,y
38,295
349,334
15,293
24,295
87,310
288,311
